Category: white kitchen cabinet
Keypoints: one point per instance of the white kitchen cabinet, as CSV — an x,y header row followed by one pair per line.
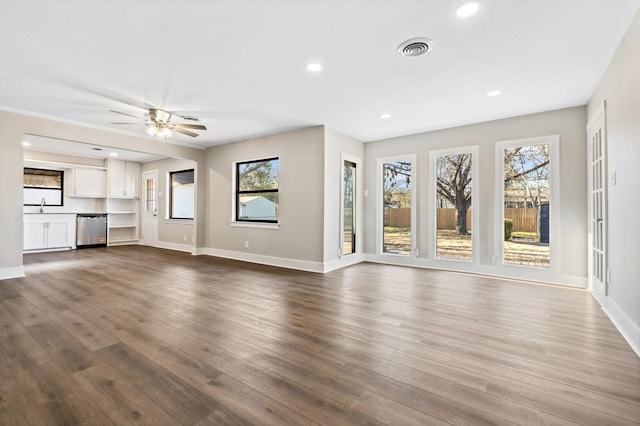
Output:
x,y
49,232
89,183
124,179
34,236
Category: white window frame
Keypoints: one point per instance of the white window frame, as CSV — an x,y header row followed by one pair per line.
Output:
x,y
380,207
554,208
475,201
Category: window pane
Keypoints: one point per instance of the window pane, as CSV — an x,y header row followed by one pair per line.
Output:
x,y
349,206
526,205
257,190
396,184
259,206
182,194
453,198
42,187
150,195
258,175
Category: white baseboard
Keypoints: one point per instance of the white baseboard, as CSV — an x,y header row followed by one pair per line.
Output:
x,y
12,272
188,248
534,275
345,261
626,327
301,265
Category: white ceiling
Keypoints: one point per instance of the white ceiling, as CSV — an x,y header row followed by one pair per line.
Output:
x,y
239,65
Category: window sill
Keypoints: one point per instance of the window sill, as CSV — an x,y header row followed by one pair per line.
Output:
x,y
256,225
182,221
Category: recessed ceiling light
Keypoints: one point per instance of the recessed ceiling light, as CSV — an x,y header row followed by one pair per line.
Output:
x,y
26,144
113,154
493,93
314,67
467,9
385,116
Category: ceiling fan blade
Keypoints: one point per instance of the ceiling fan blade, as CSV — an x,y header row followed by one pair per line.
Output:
x,y
185,132
190,126
128,115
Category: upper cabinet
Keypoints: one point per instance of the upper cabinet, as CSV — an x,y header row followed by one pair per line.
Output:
x,y
124,179
89,182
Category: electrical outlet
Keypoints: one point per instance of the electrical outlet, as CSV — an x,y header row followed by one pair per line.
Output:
x,y
185,238
246,244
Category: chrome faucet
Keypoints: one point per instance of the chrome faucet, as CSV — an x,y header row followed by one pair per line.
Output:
x,y
42,203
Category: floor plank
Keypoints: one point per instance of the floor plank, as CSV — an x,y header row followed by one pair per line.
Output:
x,y
128,335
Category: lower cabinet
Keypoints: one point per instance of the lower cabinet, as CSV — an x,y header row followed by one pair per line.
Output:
x,y
49,231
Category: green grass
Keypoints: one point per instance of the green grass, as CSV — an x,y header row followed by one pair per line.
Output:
x,y
532,235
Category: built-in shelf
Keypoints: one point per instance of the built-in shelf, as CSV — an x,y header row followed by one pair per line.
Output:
x,y
114,242
123,220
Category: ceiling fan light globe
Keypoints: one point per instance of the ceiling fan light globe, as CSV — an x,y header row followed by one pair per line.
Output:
x,y
151,130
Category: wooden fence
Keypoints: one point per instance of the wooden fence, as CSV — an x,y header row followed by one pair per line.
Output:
x,y
400,218
524,220
447,219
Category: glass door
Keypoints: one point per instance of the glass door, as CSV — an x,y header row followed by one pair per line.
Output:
x,y
349,208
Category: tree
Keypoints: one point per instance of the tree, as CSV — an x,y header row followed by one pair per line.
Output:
x,y
397,183
453,183
526,166
526,172
258,175
259,178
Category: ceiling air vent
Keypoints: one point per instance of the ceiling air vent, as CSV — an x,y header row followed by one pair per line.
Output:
x,y
415,46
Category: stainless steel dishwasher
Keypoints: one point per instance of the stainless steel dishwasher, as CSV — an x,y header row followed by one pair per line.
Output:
x,y
91,230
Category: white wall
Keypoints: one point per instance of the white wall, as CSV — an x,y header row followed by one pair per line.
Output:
x,y
298,242
568,123
335,145
620,87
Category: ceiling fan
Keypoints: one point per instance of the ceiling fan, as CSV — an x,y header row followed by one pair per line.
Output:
x,y
159,123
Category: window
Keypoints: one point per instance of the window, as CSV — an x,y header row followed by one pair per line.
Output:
x,y
397,215
43,187
181,194
150,195
528,182
257,190
454,195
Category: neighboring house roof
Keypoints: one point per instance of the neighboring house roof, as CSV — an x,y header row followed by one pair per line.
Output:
x,y
249,198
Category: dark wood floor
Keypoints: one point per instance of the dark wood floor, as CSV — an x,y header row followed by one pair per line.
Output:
x,y
128,335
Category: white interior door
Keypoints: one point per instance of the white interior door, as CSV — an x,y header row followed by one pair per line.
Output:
x,y
150,208
596,133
